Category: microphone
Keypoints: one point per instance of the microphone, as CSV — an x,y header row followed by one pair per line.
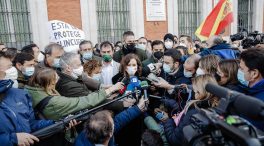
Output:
x,y
122,91
144,86
134,82
241,103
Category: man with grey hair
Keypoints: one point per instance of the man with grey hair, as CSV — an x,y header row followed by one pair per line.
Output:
x,y
218,47
74,83
70,82
53,52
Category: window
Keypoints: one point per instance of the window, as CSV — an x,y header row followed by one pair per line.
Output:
x,y
244,15
113,19
15,23
189,16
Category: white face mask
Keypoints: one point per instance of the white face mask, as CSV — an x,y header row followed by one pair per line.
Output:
x,y
11,73
169,45
28,71
182,44
187,74
97,77
77,72
40,57
199,72
141,46
131,70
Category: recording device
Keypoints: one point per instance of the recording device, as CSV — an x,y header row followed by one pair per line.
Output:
x,y
237,103
248,39
153,78
216,127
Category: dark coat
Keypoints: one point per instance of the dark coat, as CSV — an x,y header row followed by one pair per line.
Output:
x,y
120,121
70,87
120,53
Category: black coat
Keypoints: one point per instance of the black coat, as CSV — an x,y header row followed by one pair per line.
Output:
x,y
70,87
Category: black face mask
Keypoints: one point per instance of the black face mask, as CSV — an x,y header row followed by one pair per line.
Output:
x,y
158,54
217,77
129,48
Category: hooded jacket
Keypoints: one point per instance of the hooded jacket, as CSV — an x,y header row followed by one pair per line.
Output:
x,y
16,114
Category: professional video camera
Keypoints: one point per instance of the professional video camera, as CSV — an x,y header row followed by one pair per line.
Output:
x,y
217,126
248,39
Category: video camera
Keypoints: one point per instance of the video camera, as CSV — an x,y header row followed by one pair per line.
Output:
x,y
218,126
248,39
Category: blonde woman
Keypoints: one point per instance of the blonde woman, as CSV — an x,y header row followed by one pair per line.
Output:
x,y
208,65
42,85
173,127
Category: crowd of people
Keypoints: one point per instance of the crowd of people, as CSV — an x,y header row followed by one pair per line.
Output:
x,y
40,86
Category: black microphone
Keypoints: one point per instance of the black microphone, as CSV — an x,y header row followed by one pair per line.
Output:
x,y
241,103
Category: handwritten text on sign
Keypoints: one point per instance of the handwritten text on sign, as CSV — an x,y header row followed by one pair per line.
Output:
x,y
66,35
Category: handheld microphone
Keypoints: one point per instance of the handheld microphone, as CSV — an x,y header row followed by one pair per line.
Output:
x,y
122,91
144,86
134,82
243,104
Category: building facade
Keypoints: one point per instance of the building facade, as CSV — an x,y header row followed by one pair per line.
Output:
x,y
25,21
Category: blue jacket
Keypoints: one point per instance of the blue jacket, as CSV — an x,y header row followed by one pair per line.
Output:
x,y
257,90
16,114
174,134
120,121
223,50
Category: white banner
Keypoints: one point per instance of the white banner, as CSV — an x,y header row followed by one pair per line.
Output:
x,y
66,35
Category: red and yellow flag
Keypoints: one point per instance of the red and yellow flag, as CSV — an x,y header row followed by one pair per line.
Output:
x,y
216,21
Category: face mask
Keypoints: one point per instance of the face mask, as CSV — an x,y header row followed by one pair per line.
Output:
x,y
241,78
217,77
87,55
28,71
11,73
182,44
166,68
56,63
131,47
199,72
131,70
141,46
40,57
77,72
158,55
169,45
107,58
96,77
187,74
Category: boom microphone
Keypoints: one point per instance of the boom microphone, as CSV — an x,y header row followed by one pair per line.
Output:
x,y
243,104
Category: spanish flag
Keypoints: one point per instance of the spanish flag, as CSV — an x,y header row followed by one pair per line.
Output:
x,y
216,21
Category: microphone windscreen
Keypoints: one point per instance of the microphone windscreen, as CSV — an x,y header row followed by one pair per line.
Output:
x,y
217,90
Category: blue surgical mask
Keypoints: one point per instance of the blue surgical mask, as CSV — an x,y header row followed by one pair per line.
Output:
x,y
241,77
56,63
28,71
87,55
166,68
141,46
97,77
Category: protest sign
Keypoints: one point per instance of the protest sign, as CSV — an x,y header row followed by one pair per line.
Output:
x,y
66,35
